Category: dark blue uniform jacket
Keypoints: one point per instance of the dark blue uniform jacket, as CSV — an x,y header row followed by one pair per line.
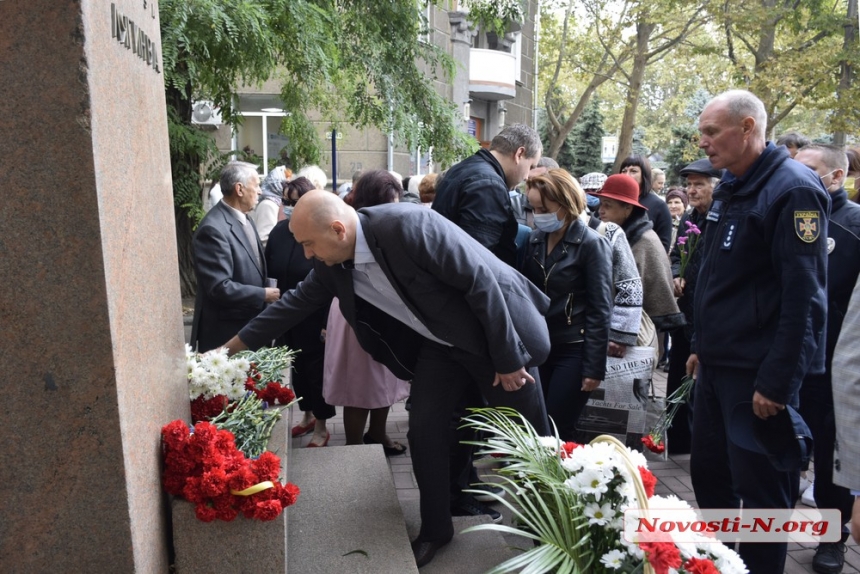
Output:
x,y
761,300
843,263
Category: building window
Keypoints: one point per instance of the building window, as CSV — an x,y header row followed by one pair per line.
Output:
x,y
424,33
517,51
259,134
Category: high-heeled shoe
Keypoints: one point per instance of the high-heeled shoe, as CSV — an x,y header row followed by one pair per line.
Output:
x,y
302,430
325,442
394,450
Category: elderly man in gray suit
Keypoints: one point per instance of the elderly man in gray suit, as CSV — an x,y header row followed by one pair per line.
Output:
x,y
432,305
229,262
846,405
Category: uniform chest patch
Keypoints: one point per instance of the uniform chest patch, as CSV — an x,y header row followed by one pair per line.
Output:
x,y
807,225
729,233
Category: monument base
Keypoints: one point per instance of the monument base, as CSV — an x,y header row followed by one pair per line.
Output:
x,y
239,546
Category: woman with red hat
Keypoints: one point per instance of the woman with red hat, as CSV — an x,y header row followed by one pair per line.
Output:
x,y
619,204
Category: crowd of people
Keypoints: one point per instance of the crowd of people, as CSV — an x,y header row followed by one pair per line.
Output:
x,y
507,281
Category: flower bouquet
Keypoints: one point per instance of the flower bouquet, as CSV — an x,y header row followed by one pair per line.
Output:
x,y
572,501
221,463
203,465
216,380
655,440
687,245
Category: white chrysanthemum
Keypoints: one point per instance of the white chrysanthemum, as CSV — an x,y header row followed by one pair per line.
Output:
x,y
243,365
599,514
589,481
572,464
613,559
228,373
214,360
633,549
681,509
212,383
549,442
726,560
637,458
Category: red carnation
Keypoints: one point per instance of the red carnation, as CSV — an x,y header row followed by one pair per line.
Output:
x,y
191,491
662,556
287,494
657,447
175,434
267,466
173,483
700,566
264,510
243,478
205,513
204,409
649,481
568,448
213,483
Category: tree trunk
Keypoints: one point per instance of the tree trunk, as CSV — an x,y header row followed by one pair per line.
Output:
x,y
628,122
847,69
187,279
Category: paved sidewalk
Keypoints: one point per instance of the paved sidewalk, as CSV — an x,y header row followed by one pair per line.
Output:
x,y
673,476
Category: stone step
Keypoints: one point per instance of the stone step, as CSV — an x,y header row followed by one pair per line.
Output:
x,y
467,553
347,518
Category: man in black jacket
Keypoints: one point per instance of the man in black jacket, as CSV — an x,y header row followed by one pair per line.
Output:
x,y
474,194
702,177
816,393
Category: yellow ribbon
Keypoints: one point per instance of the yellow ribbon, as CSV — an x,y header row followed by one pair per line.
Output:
x,y
260,487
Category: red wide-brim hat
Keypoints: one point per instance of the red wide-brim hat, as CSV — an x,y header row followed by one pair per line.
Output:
x,y
620,187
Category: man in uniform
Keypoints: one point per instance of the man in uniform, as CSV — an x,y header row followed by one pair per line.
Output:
x,y
816,394
760,310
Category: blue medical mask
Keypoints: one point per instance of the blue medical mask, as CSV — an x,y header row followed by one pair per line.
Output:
x,y
548,222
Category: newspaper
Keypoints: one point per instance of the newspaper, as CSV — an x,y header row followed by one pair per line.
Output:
x,y
618,406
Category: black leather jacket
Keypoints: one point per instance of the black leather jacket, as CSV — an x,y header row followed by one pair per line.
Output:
x,y
577,277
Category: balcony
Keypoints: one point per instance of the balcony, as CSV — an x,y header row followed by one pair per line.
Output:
x,y
492,75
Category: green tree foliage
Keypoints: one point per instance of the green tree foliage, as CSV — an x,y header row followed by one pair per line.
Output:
x,y
348,61
587,141
787,52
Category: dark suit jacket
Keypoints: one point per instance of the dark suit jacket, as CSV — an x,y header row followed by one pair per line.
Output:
x,y
230,285
459,290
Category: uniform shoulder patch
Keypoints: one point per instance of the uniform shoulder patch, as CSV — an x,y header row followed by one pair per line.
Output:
x,y
807,225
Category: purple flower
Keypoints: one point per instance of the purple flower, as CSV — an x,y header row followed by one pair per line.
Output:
x,y
682,240
694,229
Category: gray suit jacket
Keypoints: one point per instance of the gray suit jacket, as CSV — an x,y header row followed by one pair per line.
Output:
x,y
459,290
230,285
846,398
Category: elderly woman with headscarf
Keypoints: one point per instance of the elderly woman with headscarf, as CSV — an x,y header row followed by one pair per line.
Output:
x,y
677,201
268,211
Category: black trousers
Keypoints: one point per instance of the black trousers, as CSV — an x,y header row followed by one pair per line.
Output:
x,y
308,383
724,474
561,379
443,377
682,425
816,408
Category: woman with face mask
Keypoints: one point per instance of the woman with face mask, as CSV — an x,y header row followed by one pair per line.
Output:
x,y
573,265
